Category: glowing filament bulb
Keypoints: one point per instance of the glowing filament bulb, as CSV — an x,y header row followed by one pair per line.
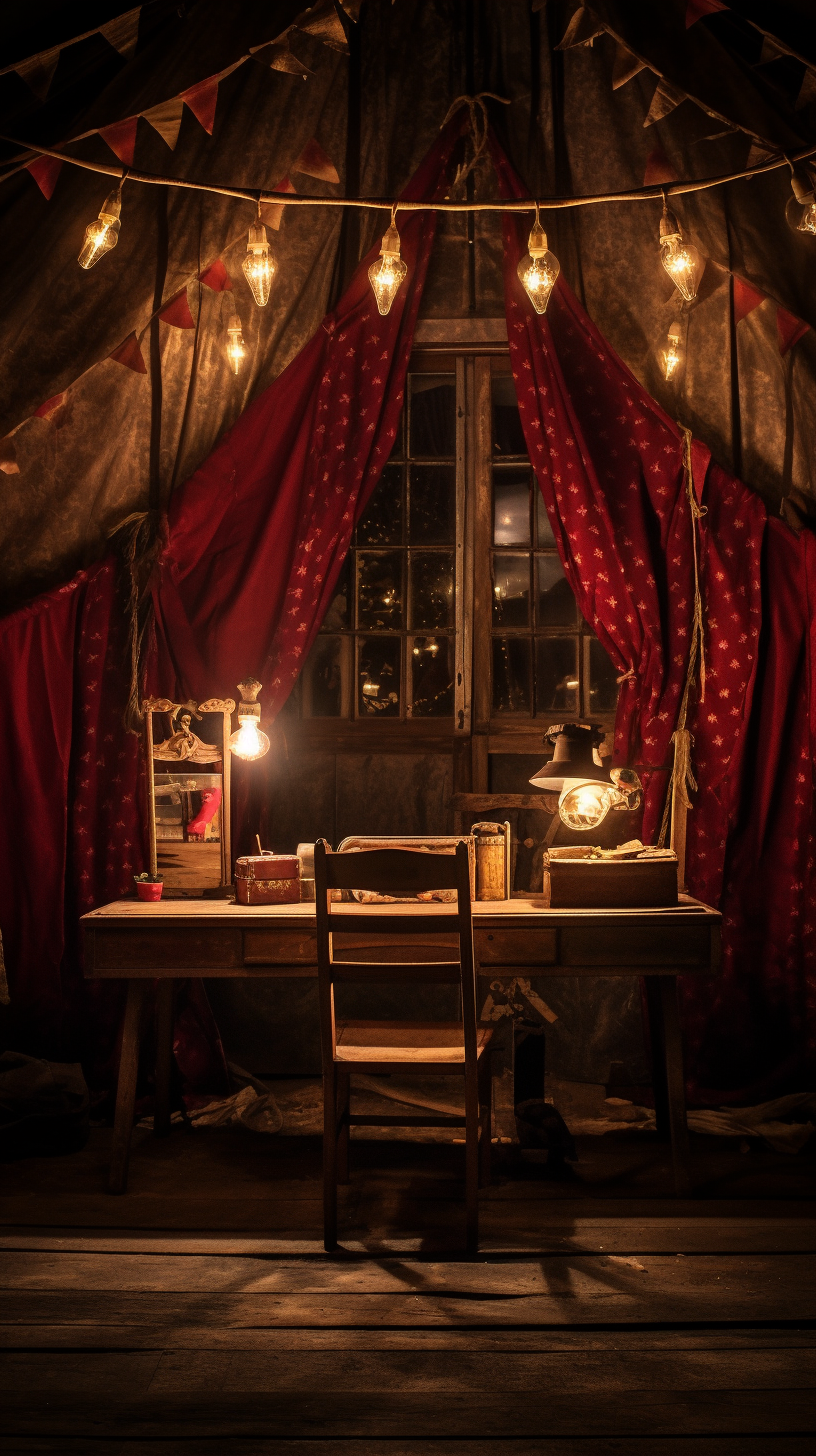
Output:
x,y
801,209
386,275
584,805
103,234
538,268
681,261
236,352
673,353
248,741
259,266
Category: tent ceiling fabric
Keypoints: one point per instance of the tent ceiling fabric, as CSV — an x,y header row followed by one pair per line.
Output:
x,y
566,131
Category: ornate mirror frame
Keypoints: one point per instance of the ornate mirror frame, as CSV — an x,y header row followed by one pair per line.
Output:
x,y
188,751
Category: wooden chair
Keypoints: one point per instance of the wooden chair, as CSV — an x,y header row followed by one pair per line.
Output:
x,y
459,1048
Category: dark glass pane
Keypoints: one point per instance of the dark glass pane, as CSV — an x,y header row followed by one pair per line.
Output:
x,y
544,533
603,680
511,675
381,524
508,436
511,507
379,589
398,447
555,603
433,415
325,678
557,675
432,599
511,591
378,677
339,614
432,517
432,677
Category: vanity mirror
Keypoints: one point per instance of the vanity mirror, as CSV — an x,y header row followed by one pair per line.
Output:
x,y
188,775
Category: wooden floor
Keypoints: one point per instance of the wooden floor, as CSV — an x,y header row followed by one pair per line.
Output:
x,y
198,1314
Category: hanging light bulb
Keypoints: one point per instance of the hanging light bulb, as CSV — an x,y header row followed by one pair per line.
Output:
x,y
585,803
386,275
248,742
800,212
681,261
538,268
236,351
259,266
102,235
673,352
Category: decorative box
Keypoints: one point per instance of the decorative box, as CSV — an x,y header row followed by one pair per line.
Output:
x,y
607,884
267,879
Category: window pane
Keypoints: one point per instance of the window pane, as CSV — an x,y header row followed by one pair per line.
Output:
x,y
555,603
338,616
325,678
378,677
508,436
511,591
544,533
432,677
432,600
432,518
603,680
433,415
379,589
511,675
398,447
381,524
557,675
511,507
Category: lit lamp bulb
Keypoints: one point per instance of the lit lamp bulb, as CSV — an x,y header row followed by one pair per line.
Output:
x,y
800,212
681,261
259,266
584,803
538,268
236,352
673,352
102,235
248,742
386,275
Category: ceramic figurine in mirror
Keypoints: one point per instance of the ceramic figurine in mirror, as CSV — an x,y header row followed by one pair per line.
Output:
x,y
188,765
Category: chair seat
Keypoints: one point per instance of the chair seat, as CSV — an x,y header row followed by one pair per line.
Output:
x,y
406,1041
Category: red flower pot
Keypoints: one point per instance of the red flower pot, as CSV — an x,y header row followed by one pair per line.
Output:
x,y
149,890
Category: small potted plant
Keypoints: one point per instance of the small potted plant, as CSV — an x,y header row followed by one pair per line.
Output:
x,y
148,887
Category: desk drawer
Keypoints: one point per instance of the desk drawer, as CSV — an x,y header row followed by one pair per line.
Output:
x,y
515,947
162,947
636,945
280,948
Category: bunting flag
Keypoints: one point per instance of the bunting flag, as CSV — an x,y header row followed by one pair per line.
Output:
x,y
38,72
47,410
625,66
760,152
746,298
664,101
696,9
45,171
129,353
123,32
313,162
121,138
166,119
177,312
582,30
807,90
201,100
216,277
272,212
789,330
658,168
8,457
280,58
352,8
323,22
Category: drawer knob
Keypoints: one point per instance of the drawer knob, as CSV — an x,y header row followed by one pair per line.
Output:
x,y
490,937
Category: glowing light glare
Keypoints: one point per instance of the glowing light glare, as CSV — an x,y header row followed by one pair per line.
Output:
x,y
673,352
801,209
259,266
249,741
103,234
538,268
236,351
681,261
388,272
585,804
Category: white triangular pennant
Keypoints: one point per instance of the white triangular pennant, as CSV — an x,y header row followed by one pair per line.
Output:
x,y
166,119
665,99
123,32
38,71
807,90
625,66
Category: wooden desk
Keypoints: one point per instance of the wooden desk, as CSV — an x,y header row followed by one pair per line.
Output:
x,y
174,939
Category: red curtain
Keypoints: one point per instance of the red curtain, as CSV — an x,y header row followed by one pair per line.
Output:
x,y
609,462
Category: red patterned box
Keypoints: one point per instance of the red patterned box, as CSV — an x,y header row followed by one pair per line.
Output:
x,y
267,879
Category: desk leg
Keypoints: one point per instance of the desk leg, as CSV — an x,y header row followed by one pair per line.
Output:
x,y
662,993
165,995
654,1007
126,1087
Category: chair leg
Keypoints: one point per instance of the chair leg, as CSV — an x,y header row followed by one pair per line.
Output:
x,y
329,1161
472,1164
485,1119
343,1107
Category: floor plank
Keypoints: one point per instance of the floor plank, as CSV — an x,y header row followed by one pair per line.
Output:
x,y
66,1445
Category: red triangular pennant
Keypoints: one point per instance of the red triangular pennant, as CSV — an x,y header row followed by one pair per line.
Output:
x,y
50,407
789,330
658,168
177,312
129,353
45,171
201,100
216,277
746,298
696,9
313,162
121,138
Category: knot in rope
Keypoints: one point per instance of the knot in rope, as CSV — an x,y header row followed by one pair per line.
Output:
x,y
479,127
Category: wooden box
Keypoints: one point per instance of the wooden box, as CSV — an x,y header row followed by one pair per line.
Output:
x,y
268,879
605,884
